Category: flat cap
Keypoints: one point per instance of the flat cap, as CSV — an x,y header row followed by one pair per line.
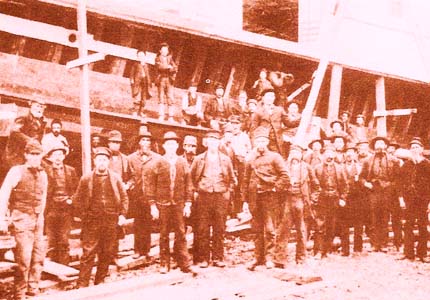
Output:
x,y
212,133
102,151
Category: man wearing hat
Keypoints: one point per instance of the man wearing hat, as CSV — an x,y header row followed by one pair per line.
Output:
x,y
379,175
62,184
302,188
346,125
145,164
265,177
272,118
415,197
336,129
314,157
101,203
218,109
339,143
24,191
334,189
31,126
192,104
190,148
174,206
118,161
213,177
166,75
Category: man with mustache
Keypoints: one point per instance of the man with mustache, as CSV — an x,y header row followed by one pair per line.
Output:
x,y
378,175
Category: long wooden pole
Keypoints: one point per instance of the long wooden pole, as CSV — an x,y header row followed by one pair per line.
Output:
x,y
335,90
84,89
381,122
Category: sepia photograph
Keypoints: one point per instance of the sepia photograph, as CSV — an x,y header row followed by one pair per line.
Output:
x,y
214,149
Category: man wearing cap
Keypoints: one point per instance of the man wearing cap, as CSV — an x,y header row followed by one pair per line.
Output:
x,y
336,129
379,175
145,164
54,138
31,126
174,206
218,109
334,189
166,74
265,177
192,110
213,177
101,203
315,157
24,190
302,188
272,118
62,184
415,197
140,82
247,115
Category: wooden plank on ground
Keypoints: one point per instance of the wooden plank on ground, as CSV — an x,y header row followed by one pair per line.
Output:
x,y
59,270
6,267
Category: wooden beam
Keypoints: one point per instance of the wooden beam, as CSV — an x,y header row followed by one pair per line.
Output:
x,y
381,123
395,112
84,88
335,90
85,60
230,82
66,37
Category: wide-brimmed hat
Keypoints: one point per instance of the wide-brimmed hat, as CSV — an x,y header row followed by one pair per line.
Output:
x,y
378,138
417,141
316,141
170,135
143,132
114,136
334,122
55,147
212,133
261,132
350,146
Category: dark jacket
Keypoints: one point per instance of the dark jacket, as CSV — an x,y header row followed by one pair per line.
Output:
x,y
415,183
271,122
183,187
198,167
265,173
126,170
212,111
25,128
391,169
341,180
72,180
308,183
84,194
162,64
140,80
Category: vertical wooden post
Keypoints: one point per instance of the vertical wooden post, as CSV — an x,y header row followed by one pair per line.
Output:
x,y
335,89
230,82
381,122
84,89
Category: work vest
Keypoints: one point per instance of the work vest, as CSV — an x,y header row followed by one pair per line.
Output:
x,y
27,196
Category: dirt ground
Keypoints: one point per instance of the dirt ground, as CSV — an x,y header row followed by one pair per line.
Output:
x,y
368,276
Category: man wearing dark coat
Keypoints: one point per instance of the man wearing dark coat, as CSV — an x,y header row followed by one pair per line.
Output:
x,y
101,203
140,81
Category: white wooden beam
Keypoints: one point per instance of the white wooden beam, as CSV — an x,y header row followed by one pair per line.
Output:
x,y
381,123
395,112
335,90
85,60
66,37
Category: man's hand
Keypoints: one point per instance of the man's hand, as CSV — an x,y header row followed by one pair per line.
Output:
x,y
3,226
121,220
402,203
368,185
187,210
342,203
154,212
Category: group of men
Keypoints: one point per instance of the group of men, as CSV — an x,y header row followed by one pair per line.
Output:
x,y
252,162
